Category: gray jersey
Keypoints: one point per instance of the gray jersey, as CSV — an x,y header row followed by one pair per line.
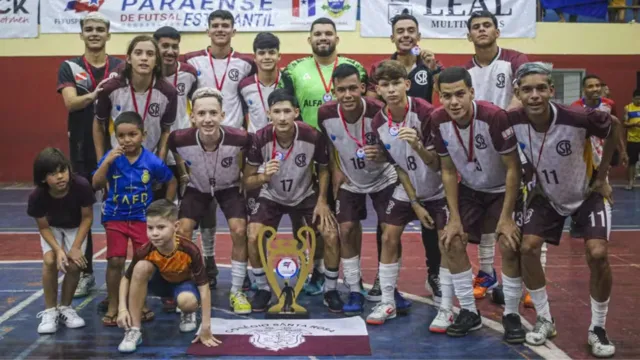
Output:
x,y
254,97
185,80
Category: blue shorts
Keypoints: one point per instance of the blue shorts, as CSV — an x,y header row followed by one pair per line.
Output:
x,y
159,286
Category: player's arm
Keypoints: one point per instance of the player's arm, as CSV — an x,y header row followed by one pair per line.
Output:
x,y
506,227
205,301
418,209
162,143
98,137
200,278
73,102
47,235
610,144
100,177
449,175
172,188
75,253
251,179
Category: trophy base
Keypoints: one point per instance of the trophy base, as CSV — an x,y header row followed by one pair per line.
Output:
x,y
279,315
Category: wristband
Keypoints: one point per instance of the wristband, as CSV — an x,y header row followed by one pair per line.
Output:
x,y
123,310
413,202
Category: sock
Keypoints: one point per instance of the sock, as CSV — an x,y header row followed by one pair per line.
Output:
x,y
463,288
512,288
351,271
208,241
330,279
487,252
543,256
388,279
446,287
541,302
261,279
238,272
318,265
598,313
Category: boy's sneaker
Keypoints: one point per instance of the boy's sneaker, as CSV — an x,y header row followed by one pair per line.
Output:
x,y
442,321
315,285
402,305
375,293
601,347
355,304
261,300
333,301
543,330
465,322
484,282
239,303
49,323
514,332
86,283
70,317
381,313
132,338
188,322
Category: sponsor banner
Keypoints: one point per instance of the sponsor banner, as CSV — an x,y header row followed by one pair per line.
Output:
x,y
448,19
316,337
136,16
18,19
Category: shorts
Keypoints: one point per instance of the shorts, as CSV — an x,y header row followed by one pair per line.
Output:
x,y
118,234
159,286
633,150
252,199
268,212
353,207
65,238
195,204
478,211
400,213
593,219
161,192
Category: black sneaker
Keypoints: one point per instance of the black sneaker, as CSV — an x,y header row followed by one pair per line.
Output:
x,y
433,285
333,301
246,284
375,294
212,271
261,300
497,295
514,333
465,322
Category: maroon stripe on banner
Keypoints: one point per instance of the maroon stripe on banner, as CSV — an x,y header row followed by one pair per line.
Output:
x,y
263,345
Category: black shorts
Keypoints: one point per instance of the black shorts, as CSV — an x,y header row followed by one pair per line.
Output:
x,y
633,150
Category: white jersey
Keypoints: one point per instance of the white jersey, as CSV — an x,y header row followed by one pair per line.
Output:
x,y
185,80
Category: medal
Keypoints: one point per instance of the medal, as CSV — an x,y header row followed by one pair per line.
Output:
x,y
415,50
360,153
359,143
393,131
327,87
327,97
279,156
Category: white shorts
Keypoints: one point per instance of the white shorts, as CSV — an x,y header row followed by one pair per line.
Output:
x,y
64,237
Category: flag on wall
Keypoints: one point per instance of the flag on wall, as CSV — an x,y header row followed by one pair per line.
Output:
x,y
305,7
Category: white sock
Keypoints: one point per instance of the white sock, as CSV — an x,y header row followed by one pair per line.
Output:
x,y
208,241
512,288
318,265
463,288
330,279
261,279
446,287
543,256
541,302
238,272
487,252
351,271
598,313
388,280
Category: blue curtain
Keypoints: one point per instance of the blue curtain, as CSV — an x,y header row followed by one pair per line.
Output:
x,y
591,8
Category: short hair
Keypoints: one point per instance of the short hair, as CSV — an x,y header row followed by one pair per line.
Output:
x,y
221,14
482,14
97,17
163,208
280,95
534,68
343,71
266,40
592,76
403,16
206,92
636,93
390,70
166,32
323,21
129,117
49,160
454,74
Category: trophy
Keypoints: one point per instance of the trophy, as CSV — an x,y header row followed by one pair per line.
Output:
x,y
287,259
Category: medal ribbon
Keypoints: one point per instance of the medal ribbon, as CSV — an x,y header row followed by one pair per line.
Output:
x,y
87,66
390,117
273,150
215,77
327,88
360,144
260,90
135,102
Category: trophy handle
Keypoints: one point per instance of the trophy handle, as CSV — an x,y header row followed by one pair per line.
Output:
x,y
306,263
268,268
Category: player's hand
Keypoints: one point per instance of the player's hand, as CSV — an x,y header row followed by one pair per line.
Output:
x,y
206,338
624,159
373,153
124,319
338,178
323,213
62,261
423,216
98,89
410,135
604,189
115,153
271,168
76,255
509,233
451,231
183,182
429,58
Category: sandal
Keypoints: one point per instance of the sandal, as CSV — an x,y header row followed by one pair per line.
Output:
x,y
147,316
110,320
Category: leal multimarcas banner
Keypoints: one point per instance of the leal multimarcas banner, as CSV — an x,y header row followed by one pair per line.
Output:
x,y
447,19
18,19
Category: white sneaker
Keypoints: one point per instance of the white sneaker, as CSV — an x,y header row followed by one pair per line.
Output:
x,y
601,347
381,313
442,321
70,317
49,323
86,283
188,322
132,338
543,330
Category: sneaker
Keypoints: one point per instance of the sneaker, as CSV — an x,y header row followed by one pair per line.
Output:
x,y
355,304
132,338
49,323
465,322
188,322
212,271
314,286
86,283
601,347
402,305
246,284
333,301
433,286
70,317
442,321
484,282
543,330
514,333
375,293
381,313
261,300
497,295
239,303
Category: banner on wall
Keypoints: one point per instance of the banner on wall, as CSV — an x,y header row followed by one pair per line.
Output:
x,y
136,16
448,18
19,19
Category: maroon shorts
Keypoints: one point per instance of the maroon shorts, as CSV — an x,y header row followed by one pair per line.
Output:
x,y
252,199
593,219
195,205
400,213
479,211
353,206
270,213
118,235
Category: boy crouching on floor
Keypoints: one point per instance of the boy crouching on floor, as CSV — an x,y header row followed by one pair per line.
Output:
x,y
170,266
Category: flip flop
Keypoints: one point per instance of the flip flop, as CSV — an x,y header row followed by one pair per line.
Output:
x,y
147,316
110,321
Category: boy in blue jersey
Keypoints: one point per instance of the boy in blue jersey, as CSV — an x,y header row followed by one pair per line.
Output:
x,y
129,171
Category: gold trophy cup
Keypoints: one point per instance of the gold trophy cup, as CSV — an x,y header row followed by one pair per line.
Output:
x,y
287,259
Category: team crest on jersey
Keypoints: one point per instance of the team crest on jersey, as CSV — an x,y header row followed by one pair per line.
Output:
x,y
226,162
301,160
180,87
234,74
370,138
501,81
480,142
563,147
421,77
154,109
145,176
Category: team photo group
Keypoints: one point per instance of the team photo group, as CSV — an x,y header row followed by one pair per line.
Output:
x,y
166,139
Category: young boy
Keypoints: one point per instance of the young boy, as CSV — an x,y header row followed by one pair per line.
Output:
x,y
168,265
62,205
130,171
